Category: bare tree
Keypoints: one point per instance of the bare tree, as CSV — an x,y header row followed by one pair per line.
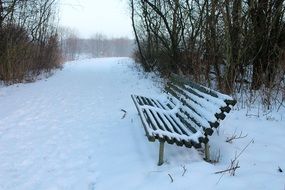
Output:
x,y
29,40
227,43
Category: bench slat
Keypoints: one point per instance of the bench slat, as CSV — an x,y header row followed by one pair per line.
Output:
x,y
190,122
174,125
160,125
152,121
223,105
178,79
148,132
188,132
202,125
206,104
216,110
198,108
193,128
200,111
186,107
163,126
170,134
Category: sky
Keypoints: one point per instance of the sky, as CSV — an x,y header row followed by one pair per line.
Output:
x,y
88,17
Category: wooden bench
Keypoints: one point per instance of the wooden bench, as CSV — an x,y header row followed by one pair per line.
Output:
x,y
186,117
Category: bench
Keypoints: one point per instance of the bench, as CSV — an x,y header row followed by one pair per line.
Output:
x,y
186,117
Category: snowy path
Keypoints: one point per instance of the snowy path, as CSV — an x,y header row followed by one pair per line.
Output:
x,y
66,133
56,134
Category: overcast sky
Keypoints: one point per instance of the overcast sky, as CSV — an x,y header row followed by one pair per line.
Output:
x,y
89,17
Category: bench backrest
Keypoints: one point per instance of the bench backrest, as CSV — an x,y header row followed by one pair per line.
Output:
x,y
201,108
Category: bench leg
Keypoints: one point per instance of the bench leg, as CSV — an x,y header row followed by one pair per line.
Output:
x,y
207,152
161,151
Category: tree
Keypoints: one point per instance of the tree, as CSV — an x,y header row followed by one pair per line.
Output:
x,y
231,42
28,39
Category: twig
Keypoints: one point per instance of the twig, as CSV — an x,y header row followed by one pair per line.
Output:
x,y
279,169
281,104
244,148
250,115
171,178
125,113
234,163
184,170
228,170
235,137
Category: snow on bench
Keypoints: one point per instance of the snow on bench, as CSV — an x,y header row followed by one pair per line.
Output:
x,y
187,117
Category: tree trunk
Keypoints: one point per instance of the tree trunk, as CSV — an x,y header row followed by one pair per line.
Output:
x,y
137,38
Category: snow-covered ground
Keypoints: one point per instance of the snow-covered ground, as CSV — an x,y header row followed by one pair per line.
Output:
x,y
67,133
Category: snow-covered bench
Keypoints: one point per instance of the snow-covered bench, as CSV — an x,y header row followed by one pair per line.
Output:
x,y
186,117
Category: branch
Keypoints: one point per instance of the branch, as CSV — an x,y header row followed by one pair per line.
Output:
x,y
235,137
228,170
234,163
171,178
125,113
184,170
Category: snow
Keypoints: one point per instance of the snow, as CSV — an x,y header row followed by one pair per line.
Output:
x,y
66,133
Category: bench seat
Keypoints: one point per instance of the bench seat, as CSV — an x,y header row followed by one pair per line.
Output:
x,y
162,121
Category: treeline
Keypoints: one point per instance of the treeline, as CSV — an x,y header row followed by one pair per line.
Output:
x,y
28,39
232,44
96,46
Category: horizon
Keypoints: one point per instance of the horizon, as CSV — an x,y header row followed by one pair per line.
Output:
x,y
89,17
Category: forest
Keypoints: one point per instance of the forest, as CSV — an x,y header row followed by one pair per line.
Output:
x,y
29,43
32,42
235,46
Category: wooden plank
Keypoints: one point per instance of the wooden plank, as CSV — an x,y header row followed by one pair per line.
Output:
x,y
182,80
152,121
209,132
174,125
158,122
198,119
142,100
145,119
189,127
169,128
139,100
231,102
199,100
161,126
224,106
149,101
175,130
196,106
162,123
179,79
160,104
144,122
184,130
